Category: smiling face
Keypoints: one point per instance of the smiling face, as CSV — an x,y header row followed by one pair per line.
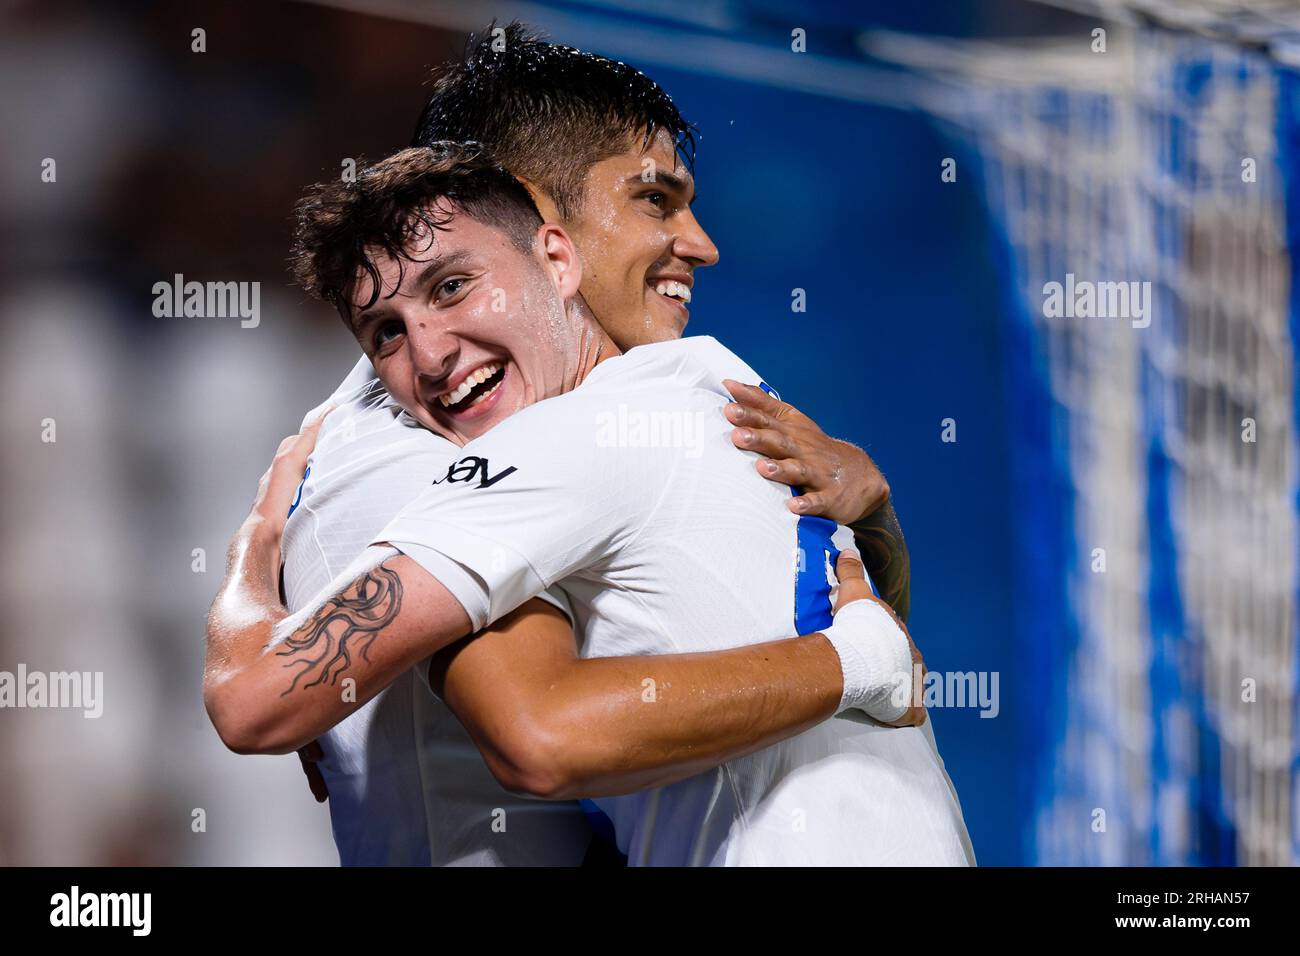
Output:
x,y
640,242
470,329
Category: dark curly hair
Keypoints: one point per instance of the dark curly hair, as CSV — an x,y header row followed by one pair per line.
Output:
x,y
339,224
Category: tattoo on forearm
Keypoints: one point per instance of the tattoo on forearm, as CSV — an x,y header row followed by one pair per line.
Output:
x,y
879,538
345,626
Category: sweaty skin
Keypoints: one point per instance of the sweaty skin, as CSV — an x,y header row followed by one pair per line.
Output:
x,y
635,232
272,689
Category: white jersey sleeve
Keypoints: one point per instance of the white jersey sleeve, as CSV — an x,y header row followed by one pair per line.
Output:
x,y
370,461
565,483
523,507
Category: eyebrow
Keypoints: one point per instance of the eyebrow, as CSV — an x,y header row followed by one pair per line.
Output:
x,y
431,267
672,181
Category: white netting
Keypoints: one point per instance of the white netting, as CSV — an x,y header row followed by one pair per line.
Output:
x,y
1224,361
1128,166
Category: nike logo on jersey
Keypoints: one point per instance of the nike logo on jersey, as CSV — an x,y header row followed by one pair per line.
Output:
x,y
473,467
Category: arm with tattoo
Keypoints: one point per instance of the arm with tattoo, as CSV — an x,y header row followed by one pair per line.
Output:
x,y
321,651
879,538
274,682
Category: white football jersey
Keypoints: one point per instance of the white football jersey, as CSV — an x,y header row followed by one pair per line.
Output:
x,y
628,493
407,785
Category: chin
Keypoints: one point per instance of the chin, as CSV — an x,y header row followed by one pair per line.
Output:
x,y
655,329
666,322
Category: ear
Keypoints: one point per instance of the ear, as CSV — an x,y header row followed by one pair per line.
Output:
x,y
560,259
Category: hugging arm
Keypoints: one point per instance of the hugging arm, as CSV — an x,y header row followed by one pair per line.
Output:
x,y
833,478
879,538
548,722
272,681
554,725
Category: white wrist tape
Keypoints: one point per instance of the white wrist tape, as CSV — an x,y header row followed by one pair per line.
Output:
x,y
876,659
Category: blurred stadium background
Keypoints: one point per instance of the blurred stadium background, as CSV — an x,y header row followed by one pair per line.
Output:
x,y
1121,690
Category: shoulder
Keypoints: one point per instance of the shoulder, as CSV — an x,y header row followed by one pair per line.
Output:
x,y
373,434
698,361
369,460
681,376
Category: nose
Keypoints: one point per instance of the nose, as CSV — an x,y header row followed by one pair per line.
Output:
x,y
433,353
693,243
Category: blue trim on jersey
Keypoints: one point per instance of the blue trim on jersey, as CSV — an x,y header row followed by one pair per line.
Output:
x,y
298,499
812,590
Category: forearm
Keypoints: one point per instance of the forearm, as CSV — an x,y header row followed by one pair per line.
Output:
x,y
879,539
609,726
241,623
247,606
275,682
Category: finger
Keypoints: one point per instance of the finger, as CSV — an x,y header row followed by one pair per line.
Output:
x,y
913,717
287,468
849,567
766,441
300,446
738,414
279,484
811,504
304,443
316,418
753,396
316,781
308,756
296,449
908,693
790,471
317,414
853,580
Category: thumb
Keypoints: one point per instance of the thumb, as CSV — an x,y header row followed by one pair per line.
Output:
x,y
853,580
315,419
296,449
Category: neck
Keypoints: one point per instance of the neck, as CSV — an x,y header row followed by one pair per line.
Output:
x,y
594,346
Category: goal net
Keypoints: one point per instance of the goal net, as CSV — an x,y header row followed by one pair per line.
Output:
x,y
1142,182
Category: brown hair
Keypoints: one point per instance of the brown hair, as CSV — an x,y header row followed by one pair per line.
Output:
x,y
338,224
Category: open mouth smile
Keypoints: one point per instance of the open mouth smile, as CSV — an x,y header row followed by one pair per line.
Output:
x,y
678,292
474,389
